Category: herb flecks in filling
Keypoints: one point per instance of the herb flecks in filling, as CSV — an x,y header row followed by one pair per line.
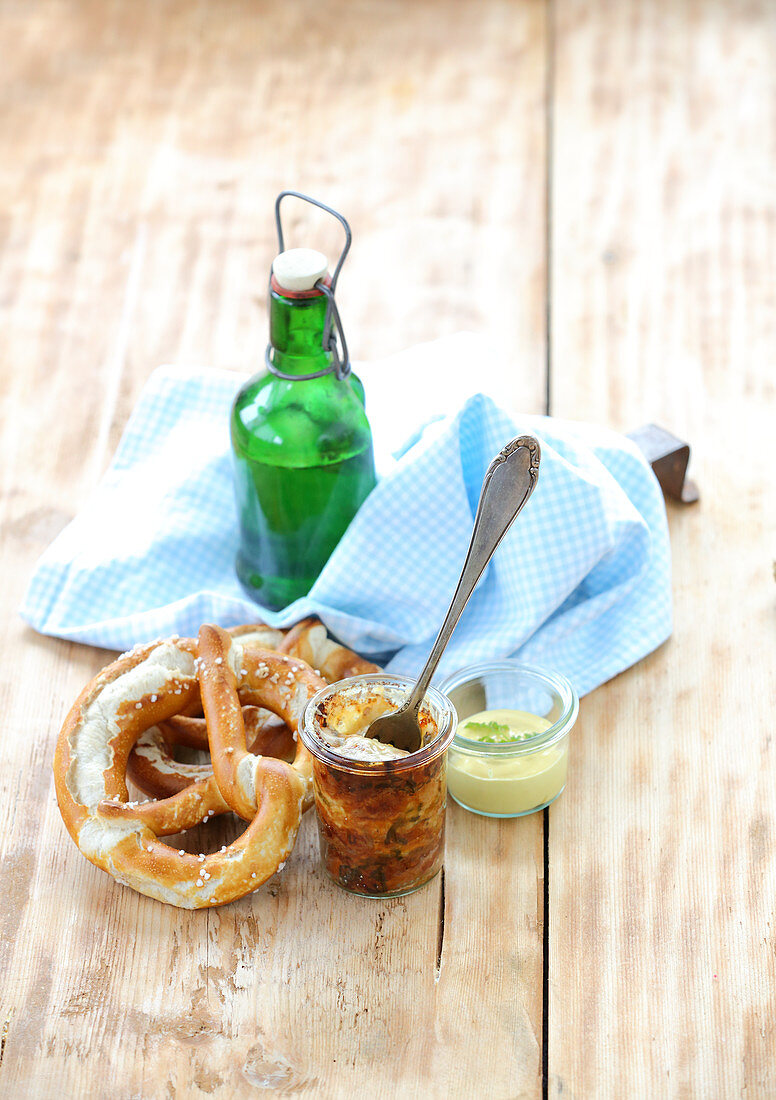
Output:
x,y
380,818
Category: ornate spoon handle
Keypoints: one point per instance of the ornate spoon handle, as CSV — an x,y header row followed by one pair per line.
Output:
x,y
509,481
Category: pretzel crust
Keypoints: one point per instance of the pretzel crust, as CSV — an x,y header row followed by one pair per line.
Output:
x,y
145,688
157,773
154,769
310,642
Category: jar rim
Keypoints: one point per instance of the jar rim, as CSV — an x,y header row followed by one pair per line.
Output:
x,y
558,684
447,723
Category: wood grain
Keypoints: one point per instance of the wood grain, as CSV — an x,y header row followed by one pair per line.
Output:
x,y
662,869
141,147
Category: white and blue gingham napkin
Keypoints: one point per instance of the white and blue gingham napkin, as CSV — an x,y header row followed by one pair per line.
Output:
x,y
580,584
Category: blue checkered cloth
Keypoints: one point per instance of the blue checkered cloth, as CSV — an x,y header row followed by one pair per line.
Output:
x,y
581,584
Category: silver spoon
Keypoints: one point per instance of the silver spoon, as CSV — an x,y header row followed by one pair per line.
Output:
x,y
509,481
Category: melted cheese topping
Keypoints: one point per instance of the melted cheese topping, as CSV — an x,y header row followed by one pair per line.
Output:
x,y
349,714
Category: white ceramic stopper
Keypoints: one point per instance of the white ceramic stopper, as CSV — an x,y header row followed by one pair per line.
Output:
x,y
299,268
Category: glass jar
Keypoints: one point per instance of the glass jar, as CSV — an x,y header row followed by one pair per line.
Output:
x,y
381,822
509,778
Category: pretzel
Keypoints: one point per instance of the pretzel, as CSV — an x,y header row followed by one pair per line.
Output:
x,y
152,766
146,687
309,642
156,772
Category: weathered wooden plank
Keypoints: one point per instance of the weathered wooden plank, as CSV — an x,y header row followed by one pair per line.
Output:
x,y
662,859
141,147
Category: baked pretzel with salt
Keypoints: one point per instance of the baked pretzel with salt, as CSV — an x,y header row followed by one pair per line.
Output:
x,y
146,687
154,769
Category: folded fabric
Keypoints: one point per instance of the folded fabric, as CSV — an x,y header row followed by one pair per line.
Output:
x,y
581,583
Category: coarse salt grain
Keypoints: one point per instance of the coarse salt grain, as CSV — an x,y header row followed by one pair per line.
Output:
x,y
200,882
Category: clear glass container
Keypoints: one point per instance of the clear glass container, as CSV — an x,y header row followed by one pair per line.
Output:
x,y
509,778
381,822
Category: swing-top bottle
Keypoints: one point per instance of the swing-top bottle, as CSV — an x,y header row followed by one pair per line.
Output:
x,y
302,444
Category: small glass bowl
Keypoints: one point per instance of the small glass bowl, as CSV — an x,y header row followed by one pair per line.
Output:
x,y
513,778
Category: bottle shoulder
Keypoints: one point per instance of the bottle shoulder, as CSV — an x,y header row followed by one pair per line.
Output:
x,y
299,423
276,390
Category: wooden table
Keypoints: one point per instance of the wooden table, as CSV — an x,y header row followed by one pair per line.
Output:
x,y
591,186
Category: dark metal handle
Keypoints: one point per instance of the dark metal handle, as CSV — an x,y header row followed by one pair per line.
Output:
x,y
321,206
332,324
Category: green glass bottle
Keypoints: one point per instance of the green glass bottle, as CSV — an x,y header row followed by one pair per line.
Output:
x,y
302,446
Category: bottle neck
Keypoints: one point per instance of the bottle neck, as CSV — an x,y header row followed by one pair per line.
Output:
x,y
296,333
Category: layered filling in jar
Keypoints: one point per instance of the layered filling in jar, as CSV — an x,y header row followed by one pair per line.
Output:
x,y
381,810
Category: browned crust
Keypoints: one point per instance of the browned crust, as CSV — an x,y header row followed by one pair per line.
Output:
x,y
266,735
338,663
271,680
139,857
73,813
302,641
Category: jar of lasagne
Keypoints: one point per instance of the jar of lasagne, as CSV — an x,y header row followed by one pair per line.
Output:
x,y
381,810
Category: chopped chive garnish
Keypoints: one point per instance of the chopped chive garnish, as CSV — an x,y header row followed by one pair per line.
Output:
x,y
487,727
494,733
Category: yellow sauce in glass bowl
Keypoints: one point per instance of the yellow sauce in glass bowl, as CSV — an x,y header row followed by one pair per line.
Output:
x,y
504,778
